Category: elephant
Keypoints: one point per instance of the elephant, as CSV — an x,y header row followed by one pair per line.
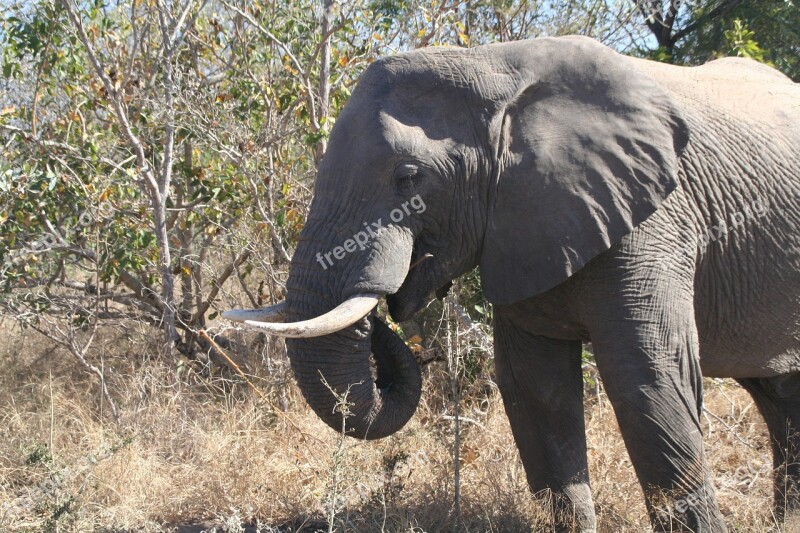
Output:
x,y
650,209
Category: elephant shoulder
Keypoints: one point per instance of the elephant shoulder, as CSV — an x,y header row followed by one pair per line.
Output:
x,y
741,68
731,87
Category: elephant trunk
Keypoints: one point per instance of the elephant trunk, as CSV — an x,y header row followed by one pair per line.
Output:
x,y
369,397
362,379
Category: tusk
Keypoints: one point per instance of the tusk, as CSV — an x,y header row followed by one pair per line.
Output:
x,y
273,313
346,314
418,261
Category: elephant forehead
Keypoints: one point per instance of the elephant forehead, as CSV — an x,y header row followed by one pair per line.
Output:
x,y
416,139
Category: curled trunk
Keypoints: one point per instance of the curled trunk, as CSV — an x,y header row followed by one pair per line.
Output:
x,y
381,391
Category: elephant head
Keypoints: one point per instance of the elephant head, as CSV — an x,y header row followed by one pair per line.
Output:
x,y
526,158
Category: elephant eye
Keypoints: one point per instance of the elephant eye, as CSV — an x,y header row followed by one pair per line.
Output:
x,y
404,175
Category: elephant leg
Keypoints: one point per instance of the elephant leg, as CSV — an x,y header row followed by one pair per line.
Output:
x,y
646,347
778,401
541,382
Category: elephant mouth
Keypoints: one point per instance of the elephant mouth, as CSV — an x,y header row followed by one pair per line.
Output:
x,y
426,274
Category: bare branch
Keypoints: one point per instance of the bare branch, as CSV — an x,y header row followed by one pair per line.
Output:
x,y
116,101
325,74
219,282
68,341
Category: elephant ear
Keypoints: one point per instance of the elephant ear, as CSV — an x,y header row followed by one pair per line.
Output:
x,y
586,151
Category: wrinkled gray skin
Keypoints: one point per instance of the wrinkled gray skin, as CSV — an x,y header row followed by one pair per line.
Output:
x,y
590,188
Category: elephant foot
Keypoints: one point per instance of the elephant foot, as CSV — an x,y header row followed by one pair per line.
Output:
x,y
696,512
573,509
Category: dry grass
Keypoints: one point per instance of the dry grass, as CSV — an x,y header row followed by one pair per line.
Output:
x,y
190,452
